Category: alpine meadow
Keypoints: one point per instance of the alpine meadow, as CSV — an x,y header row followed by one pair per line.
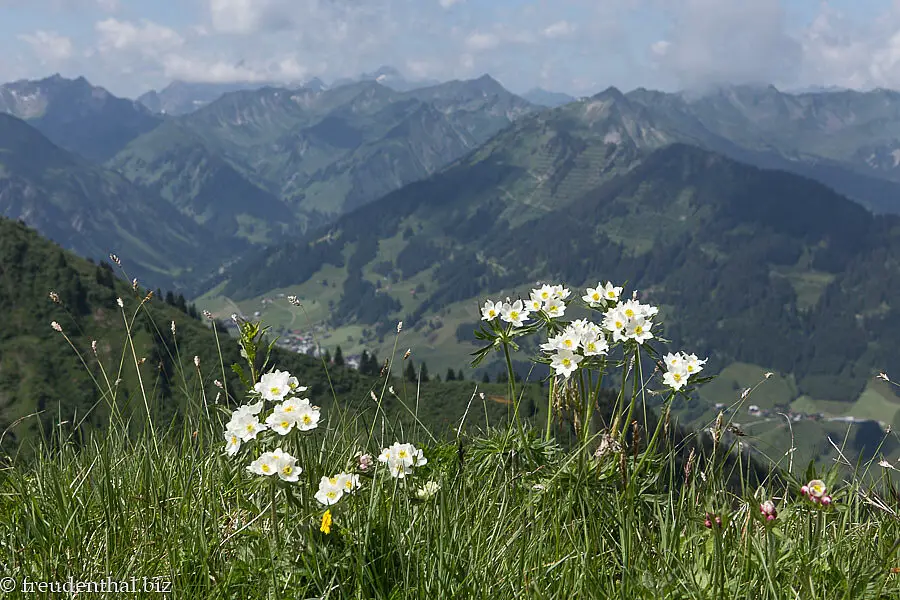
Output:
x,y
279,320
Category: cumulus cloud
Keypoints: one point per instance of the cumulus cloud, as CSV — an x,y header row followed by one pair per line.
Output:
x,y
558,30
73,5
577,46
50,47
478,41
728,41
218,71
146,38
249,16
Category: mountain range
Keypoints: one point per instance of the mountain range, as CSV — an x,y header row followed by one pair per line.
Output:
x,y
299,158
376,204
182,97
76,115
95,211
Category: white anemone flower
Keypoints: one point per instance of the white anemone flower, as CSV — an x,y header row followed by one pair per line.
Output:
x,y
692,364
545,293
639,330
330,491
246,426
594,297
287,467
308,417
514,313
294,385
555,308
232,442
274,386
292,406
565,362
611,292
266,465
534,304
676,378
348,482
593,344
402,458
560,292
280,421
491,310
679,368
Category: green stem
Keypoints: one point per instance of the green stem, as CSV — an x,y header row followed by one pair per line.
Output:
x,y
512,391
651,444
634,393
550,408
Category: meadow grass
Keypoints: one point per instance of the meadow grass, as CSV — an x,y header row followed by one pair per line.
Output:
x,y
621,508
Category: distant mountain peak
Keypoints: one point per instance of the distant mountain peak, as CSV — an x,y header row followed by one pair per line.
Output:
x,y
542,97
611,93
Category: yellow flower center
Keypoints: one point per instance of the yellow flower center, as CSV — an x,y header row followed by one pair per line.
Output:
x,y
567,343
276,391
287,470
596,296
629,313
638,329
676,376
611,294
514,315
265,468
566,362
307,420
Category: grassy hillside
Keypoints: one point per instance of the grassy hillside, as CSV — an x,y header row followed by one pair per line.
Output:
x,y
43,380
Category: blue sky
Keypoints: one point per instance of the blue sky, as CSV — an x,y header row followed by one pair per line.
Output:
x,y
575,46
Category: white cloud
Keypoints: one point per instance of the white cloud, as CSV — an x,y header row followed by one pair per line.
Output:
x,y
147,38
69,5
250,16
660,48
49,46
477,41
729,41
176,66
449,3
559,29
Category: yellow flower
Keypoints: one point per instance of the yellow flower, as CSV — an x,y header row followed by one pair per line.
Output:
x,y
326,523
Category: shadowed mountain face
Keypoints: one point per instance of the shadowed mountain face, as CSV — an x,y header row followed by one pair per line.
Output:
x,y
77,116
94,211
302,157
